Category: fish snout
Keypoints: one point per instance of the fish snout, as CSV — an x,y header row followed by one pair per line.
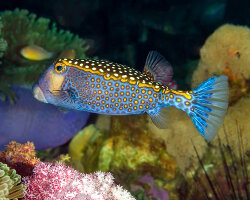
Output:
x,y
38,93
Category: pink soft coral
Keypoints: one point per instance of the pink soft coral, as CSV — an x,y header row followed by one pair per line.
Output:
x,y
57,181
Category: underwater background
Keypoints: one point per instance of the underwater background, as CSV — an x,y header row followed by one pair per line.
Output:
x,y
50,153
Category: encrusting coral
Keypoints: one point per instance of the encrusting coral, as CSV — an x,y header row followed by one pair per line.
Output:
x,y
128,152
20,29
20,157
10,184
57,181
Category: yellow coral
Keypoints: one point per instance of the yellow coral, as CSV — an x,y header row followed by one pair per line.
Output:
x,y
229,46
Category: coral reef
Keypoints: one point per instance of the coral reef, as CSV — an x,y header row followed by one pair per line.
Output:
x,y
21,28
21,157
227,51
10,184
60,182
30,120
224,52
129,152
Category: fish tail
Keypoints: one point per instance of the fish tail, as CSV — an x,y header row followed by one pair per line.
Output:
x,y
209,105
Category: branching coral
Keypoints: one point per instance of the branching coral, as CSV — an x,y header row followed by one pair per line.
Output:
x,y
21,29
21,157
10,183
60,182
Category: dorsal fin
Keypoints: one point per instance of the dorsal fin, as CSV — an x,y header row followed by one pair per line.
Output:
x,y
158,68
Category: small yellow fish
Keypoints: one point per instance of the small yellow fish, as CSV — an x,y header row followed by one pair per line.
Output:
x,y
33,52
69,53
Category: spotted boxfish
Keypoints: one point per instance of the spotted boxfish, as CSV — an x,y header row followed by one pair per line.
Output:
x,y
105,87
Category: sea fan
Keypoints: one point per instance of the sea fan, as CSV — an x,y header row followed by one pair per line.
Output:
x,y
57,181
10,187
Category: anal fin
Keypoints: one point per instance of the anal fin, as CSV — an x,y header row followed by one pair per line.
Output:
x,y
160,117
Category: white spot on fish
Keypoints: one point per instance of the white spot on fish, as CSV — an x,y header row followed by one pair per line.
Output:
x,y
116,75
132,78
93,68
124,76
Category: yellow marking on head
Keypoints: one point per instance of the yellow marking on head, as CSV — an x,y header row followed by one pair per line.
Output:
x,y
135,108
137,91
116,104
122,93
89,103
125,99
111,88
107,105
171,96
132,88
98,80
119,100
106,92
130,104
149,92
92,85
98,104
120,108
102,107
103,102
129,109
127,93
178,100
109,83
136,102
130,99
153,105
122,87
145,96
142,101
98,98
139,96
125,106
143,91
116,94
93,80
187,103
150,99
141,107
117,84
112,100
99,91
166,97
87,83
56,80
147,106
155,95
98,85
133,95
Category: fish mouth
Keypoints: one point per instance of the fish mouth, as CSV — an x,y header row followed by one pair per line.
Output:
x,y
38,94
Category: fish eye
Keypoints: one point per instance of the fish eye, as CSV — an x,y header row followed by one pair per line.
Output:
x,y
59,68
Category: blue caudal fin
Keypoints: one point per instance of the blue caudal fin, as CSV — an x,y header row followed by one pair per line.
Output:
x,y
210,105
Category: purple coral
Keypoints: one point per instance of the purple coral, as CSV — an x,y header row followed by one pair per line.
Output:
x,y
57,181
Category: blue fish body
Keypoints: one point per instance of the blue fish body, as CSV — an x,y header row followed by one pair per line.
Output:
x,y
105,87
